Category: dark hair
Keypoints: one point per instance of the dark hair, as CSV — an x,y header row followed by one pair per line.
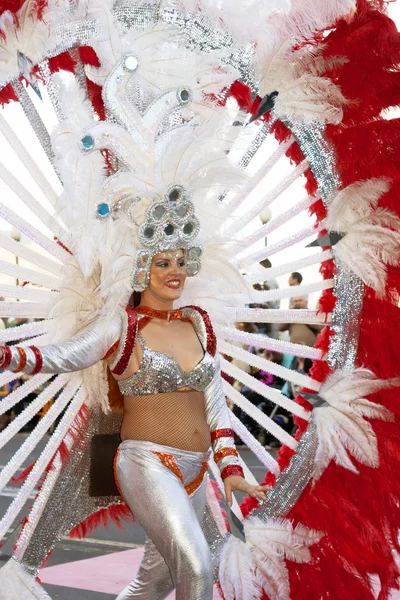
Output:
x,y
266,263
297,276
135,299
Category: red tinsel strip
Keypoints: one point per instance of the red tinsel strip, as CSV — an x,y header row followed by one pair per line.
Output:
x,y
129,341
211,339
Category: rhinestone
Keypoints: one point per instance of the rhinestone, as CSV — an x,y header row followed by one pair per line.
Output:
x,y
158,212
103,209
148,232
131,63
194,252
174,195
188,228
169,229
184,96
141,276
192,268
144,259
182,211
87,142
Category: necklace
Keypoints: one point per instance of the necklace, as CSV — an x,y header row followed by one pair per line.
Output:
x,y
152,313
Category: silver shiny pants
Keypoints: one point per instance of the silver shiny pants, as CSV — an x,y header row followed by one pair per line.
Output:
x,y
152,480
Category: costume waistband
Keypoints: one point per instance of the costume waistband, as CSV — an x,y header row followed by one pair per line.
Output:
x,y
153,447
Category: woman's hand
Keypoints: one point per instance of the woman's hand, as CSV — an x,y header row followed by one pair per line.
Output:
x,y
235,483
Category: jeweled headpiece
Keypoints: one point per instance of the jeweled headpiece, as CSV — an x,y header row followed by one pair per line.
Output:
x,y
170,224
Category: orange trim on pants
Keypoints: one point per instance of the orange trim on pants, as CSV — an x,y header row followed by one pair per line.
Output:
x,y
168,460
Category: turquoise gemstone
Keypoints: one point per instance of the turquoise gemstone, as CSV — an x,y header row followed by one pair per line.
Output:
x,y
103,209
87,142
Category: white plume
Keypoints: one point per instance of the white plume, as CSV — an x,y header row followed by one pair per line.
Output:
x,y
303,92
342,426
372,240
263,558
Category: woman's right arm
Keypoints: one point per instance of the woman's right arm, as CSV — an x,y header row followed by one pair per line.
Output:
x,y
77,352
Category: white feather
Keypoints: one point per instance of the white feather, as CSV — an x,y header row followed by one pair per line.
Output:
x,y
343,431
372,240
268,545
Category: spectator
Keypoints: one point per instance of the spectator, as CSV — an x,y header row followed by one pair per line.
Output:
x,y
301,333
295,278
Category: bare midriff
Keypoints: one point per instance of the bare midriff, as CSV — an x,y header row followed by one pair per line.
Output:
x,y
175,419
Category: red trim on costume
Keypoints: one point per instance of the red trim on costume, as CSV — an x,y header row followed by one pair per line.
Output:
x,y
129,342
38,359
219,433
211,339
232,470
5,363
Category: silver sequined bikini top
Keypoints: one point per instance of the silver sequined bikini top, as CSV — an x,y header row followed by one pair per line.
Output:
x,y
160,373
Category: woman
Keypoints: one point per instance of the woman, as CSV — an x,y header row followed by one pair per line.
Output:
x,y
174,407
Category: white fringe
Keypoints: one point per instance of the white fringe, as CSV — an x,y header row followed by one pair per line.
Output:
x,y
259,362
49,450
264,390
25,252
254,445
263,341
29,275
258,416
276,315
259,273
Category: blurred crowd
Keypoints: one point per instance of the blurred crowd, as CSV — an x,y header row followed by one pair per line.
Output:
x,y
297,333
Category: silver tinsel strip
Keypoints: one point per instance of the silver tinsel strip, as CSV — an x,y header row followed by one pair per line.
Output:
x,y
76,33
293,480
79,70
34,118
347,287
51,88
256,144
349,290
198,31
69,502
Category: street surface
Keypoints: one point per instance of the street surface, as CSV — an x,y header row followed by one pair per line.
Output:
x,y
98,567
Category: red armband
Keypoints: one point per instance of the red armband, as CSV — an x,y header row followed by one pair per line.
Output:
x,y
219,433
7,356
38,359
232,470
22,360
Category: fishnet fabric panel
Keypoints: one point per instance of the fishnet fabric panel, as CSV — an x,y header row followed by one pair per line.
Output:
x,y
175,419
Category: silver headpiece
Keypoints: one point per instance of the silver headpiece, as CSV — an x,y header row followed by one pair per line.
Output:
x,y
170,224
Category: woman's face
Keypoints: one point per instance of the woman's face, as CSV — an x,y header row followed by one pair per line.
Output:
x,y
167,275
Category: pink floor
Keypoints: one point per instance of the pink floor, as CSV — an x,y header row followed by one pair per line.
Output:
x,y
108,574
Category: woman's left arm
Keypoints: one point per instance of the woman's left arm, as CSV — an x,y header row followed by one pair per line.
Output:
x,y
222,437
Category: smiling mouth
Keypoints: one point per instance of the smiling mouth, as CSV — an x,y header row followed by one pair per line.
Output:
x,y
174,284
